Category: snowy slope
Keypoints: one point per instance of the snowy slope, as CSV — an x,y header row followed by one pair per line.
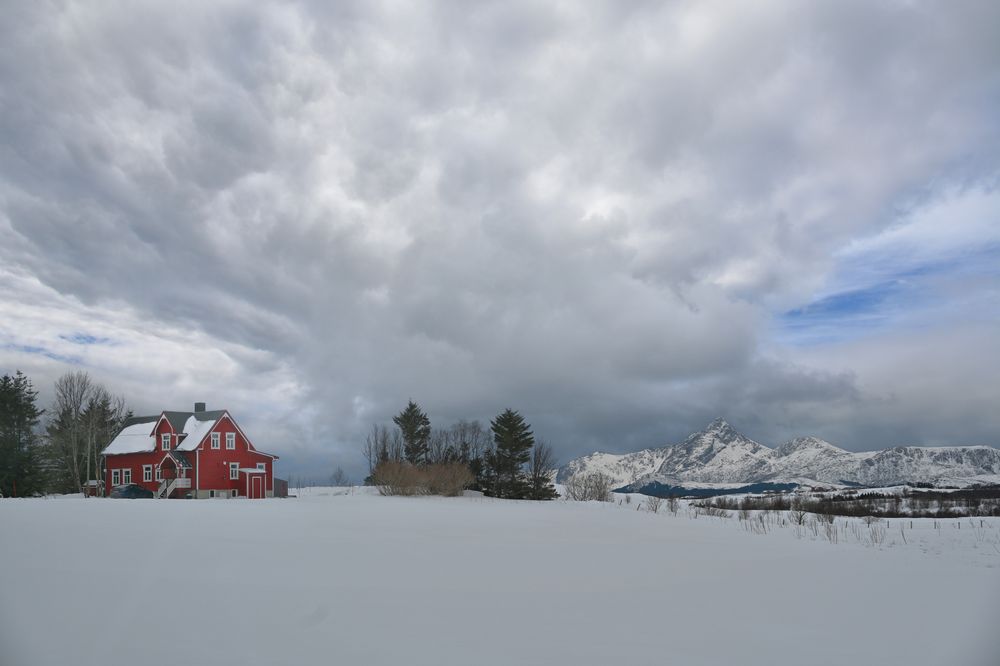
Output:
x,y
368,580
623,469
816,459
720,454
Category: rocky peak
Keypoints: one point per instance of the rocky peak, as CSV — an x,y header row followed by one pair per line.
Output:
x,y
719,429
805,444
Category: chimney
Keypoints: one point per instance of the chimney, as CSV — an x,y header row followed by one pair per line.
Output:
x,y
199,406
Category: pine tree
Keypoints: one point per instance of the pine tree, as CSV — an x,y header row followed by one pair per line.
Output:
x,y
513,440
415,428
20,472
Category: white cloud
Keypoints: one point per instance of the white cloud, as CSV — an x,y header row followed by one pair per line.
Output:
x,y
589,212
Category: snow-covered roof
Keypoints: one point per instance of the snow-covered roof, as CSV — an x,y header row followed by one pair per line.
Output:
x,y
136,438
196,431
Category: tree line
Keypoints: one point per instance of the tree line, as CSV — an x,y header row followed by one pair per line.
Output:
x,y
413,457
61,453
58,449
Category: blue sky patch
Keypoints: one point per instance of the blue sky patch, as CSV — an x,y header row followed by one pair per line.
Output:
x,y
85,339
42,351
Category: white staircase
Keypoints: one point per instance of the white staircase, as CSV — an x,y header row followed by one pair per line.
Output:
x,y
166,487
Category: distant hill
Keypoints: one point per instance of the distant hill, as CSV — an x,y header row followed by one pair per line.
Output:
x,y
721,455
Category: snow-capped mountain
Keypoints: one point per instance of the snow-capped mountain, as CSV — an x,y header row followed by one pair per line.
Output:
x,y
720,454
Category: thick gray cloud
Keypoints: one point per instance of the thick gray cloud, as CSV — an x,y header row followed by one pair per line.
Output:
x,y
598,214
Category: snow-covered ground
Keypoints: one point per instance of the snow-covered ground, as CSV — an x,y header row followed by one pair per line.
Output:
x,y
333,577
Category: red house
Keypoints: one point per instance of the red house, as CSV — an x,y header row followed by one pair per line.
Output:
x,y
197,454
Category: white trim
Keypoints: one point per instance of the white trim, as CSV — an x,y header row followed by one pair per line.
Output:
x,y
165,441
234,471
159,473
230,441
215,440
147,473
250,447
225,415
163,417
262,466
126,476
116,477
169,454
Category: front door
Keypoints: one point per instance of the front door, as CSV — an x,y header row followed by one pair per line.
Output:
x,y
256,486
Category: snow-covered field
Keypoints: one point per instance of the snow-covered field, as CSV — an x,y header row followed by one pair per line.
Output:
x,y
333,578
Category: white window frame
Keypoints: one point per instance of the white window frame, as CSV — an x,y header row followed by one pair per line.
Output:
x,y
147,473
116,477
215,440
262,467
159,473
230,441
234,471
127,476
165,441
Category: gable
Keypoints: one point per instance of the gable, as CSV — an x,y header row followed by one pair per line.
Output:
x,y
140,434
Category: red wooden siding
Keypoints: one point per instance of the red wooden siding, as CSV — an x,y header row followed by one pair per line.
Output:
x,y
210,467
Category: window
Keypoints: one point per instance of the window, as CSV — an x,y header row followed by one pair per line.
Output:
x,y
126,476
165,441
215,440
116,477
262,467
234,471
147,472
159,473
230,440
232,492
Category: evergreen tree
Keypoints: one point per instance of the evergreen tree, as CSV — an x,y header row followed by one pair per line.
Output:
x,y
513,440
20,472
415,428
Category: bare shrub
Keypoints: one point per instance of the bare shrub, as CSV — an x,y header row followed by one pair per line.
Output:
x,y
715,511
653,503
339,478
448,479
673,505
401,478
830,531
393,477
876,533
589,487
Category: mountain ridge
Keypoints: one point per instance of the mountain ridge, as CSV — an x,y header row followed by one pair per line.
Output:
x,y
721,454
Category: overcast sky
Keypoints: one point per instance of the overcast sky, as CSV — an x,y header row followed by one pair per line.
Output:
x,y
622,219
